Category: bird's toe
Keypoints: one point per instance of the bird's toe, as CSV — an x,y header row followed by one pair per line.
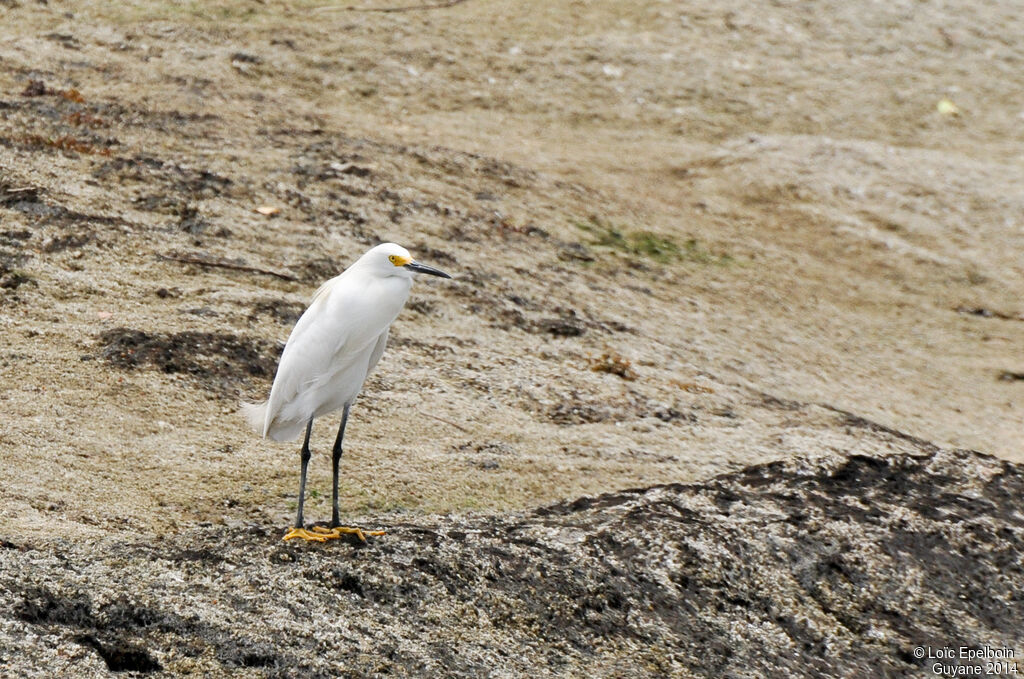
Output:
x,y
308,536
338,531
322,534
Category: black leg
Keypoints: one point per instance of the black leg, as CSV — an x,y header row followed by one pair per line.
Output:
x,y
335,460
302,478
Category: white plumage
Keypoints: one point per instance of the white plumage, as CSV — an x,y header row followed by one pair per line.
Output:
x,y
331,350
335,344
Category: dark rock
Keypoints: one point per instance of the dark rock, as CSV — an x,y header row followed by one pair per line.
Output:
x,y
280,310
219,361
35,88
560,327
839,567
245,58
121,657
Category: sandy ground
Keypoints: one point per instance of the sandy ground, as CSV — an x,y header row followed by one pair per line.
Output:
x,y
684,239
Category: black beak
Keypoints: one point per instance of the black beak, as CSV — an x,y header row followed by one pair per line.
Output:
x,y
423,268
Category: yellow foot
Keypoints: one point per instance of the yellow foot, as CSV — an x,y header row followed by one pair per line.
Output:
x,y
321,534
306,535
338,531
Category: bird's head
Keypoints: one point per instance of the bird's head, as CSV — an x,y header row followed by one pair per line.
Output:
x,y
389,259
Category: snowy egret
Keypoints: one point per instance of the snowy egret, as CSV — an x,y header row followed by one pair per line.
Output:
x,y
335,344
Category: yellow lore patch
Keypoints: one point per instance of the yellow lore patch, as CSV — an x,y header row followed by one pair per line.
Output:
x,y
398,260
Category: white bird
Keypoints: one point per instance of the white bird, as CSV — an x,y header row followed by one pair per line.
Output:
x,y
335,344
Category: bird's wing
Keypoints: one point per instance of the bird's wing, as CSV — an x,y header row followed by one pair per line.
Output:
x,y
317,338
345,325
378,349
324,290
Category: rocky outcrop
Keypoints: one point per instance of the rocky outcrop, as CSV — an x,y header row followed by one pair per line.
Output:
x,y
842,566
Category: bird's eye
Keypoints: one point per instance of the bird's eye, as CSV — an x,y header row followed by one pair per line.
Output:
x,y
392,258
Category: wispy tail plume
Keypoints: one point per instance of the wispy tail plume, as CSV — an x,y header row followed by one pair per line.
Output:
x,y
256,414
